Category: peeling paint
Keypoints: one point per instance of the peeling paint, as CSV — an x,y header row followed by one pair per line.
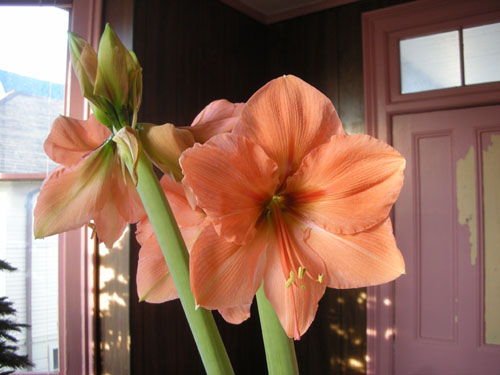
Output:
x,y
491,189
466,199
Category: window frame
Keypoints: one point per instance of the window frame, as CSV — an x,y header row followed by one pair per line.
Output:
x,y
77,294
76,282
457,24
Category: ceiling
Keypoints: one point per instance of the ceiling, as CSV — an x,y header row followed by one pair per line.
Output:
x,y
270,11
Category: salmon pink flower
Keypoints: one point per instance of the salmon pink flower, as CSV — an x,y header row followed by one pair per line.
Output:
x,y
295,205
165,143
220,116
89,185
154,282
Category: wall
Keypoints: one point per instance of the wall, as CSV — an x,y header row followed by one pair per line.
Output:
x,y
195,51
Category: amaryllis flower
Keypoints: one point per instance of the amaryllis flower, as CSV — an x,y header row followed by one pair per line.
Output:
x,y
90,184
295,205
220,116
154,282
165,143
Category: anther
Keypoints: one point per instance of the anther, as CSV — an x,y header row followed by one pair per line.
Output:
x,y
92,227
320,278
302,272
290,280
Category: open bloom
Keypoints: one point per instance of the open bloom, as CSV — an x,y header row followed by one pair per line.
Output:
x,y
89,185
295,205
154,281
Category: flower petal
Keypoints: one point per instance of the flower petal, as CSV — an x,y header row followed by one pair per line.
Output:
x,y
224,274
71,197
362,259
294,298
109,224
220,116
154,283
70,140
191,222
236,315
288,118
125,196
184,214
348,184
144,230
232,178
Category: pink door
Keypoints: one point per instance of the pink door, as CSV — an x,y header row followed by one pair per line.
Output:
x,y
447,224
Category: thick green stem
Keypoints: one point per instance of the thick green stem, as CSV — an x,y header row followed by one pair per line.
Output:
x,y
280,351
201,321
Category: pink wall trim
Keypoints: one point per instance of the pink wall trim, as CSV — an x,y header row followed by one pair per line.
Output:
x,y
76,320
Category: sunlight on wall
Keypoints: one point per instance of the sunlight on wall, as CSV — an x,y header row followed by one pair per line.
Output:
x,y
347,331
114,306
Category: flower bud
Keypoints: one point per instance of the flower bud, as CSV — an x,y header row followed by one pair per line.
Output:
x,y
84,61
128,148
116,72
164,145
135,82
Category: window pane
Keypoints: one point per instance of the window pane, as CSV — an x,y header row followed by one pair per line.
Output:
x,y
430,62
482,54
33,287
32,75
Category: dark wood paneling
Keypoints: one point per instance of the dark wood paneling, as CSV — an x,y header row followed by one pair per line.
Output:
x,y
192,52
196,51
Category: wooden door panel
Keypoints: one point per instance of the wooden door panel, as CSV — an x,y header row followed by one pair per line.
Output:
x,y
440,308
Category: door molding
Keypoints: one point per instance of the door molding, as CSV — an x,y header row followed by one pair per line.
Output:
x,y
382,29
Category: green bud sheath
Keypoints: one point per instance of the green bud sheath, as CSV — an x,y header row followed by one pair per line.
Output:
x,y
84,61
112,81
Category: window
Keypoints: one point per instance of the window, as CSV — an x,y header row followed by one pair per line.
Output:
x,y
31,97
482,54
51,289
456,58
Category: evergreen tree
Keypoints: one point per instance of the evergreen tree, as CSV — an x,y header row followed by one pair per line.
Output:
x,y
9,360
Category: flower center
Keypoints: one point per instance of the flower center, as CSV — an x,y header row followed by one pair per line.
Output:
x,y
276,201
292,265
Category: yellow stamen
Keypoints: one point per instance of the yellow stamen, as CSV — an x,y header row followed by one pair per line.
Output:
x,y
320,278
290,280
302,272
276,200
303,286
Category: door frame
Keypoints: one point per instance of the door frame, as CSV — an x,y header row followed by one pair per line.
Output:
x,y
382,29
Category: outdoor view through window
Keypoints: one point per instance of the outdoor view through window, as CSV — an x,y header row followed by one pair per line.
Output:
x,y
33,60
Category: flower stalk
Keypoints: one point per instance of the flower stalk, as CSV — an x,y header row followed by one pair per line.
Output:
x,y
201,321
280,351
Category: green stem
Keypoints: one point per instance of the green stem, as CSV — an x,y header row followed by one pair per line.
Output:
x,y
201,321
280,351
